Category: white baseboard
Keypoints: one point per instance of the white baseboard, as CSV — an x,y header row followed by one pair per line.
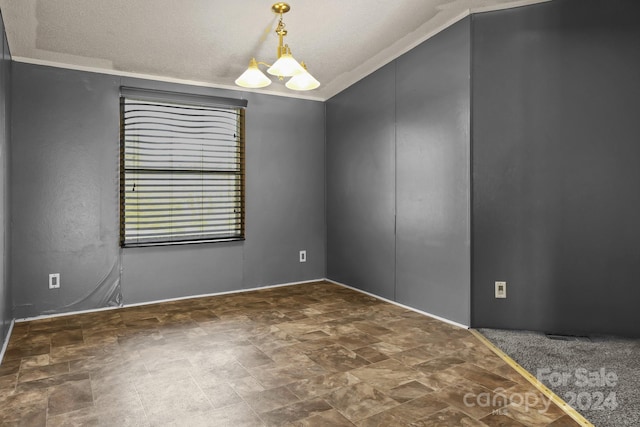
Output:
x,y
442,319
6,340
71,313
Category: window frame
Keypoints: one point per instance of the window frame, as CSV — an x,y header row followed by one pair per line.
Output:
x,y
191,100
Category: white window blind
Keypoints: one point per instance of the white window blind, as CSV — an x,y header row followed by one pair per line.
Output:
x,y
181,168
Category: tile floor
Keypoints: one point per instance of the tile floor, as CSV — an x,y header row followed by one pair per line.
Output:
x,y
306,355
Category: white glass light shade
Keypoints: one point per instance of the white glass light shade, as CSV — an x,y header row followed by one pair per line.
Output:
x,y
253,77
304,81
286,66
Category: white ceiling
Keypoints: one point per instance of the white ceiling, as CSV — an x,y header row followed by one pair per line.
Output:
x,y
210,42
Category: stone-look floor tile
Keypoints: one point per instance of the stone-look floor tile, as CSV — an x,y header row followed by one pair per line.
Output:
x,y
564,421
335,358
46,383
93,417
67,337
202,315
472,399
330,418
29,405
109,367
417,355
408,391
144,322
321,385
116,390
70,396
289,352
444,344
50,325
438,364
20,329
101,337
500,420
26,351
314,335
297,411
250,357
221,395
180,367
528,416
386,348
480,356
6,392
481,376
238,415
287,374
270,342
33,361
354,340
300,328
534,400
387,374
40,372
446,418
443,379
11,367
8,381
80,351
245,386
173,400
370,354
371,328
359,401
509,373
268,400
405,413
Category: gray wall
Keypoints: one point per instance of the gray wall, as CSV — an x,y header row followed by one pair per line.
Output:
x,y
6,302
556,176
65,198
398,179
361,184
432,170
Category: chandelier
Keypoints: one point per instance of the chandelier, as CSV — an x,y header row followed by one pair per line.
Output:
x,y
285,65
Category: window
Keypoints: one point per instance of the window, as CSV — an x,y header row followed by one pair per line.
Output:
x,y
181,168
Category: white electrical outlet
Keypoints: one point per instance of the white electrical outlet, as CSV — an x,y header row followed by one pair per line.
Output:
x,y
54,281
501,289
303,256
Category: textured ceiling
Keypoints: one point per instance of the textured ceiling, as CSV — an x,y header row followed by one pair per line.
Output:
x,y
210,42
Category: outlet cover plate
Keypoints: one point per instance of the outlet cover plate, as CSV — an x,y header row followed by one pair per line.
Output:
x,y
54,281
501,289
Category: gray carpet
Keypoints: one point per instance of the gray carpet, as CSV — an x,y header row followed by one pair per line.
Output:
x,y
606,398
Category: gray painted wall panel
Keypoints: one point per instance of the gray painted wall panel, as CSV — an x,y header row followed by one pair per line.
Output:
x,y
65,185
556,101
285,191
157,273
433,120
408,121
361,184
6,300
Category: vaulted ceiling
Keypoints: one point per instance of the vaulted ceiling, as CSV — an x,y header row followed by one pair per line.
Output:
x,y
210,42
